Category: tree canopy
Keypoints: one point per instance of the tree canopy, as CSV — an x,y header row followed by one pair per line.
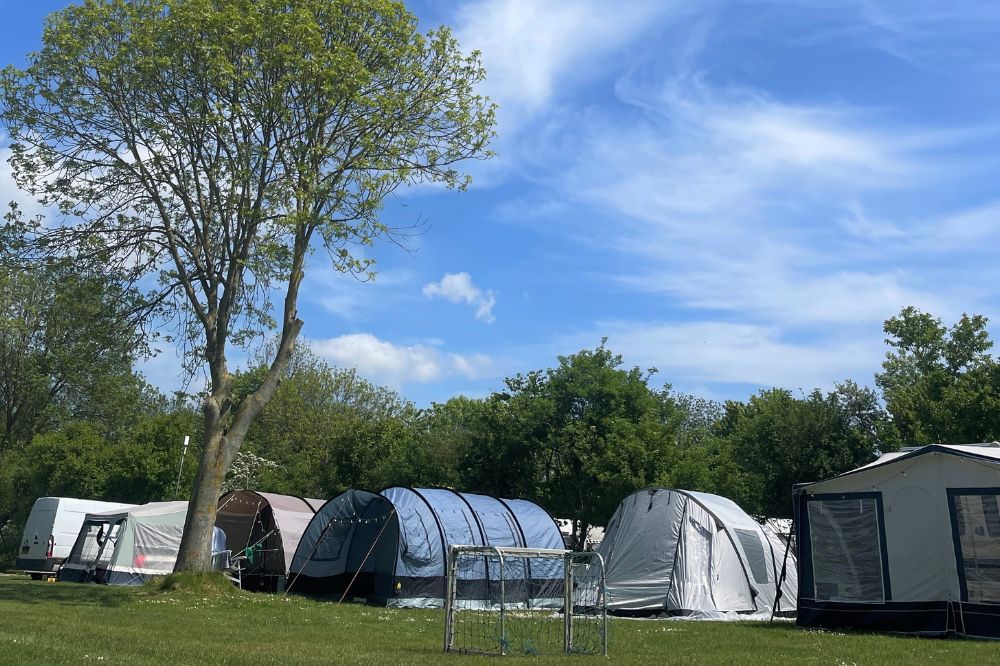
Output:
x,y
214,143
940,384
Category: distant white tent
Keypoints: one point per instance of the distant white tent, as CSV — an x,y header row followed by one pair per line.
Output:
x,y
693,554
909,543
595,534
129,546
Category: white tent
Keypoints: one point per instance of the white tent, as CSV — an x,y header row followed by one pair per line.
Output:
x,y
693,554
129,546
909,543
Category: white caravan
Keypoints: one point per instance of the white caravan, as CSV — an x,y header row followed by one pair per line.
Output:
x,y
51,530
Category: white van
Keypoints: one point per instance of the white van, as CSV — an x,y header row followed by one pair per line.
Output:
x,y
52,529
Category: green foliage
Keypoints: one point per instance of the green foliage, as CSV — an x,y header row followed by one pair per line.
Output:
x,y
577,437
66,345
133,462
213,144
327,429
776,440
941,385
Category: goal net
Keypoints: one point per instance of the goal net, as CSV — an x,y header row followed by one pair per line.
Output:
x,y
525,601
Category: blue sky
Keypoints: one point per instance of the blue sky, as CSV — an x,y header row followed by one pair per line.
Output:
x,y
737,193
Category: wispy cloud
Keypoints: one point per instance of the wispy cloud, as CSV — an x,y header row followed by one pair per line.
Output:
x,y
458,288
918,32
693,353
350,298
730,200
533,49
398,365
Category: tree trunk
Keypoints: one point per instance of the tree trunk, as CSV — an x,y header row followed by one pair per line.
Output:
x,y
582,530
196,543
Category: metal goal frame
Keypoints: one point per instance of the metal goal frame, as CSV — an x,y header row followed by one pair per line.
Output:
x,y
569,561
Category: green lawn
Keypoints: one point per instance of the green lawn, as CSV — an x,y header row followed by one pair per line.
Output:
x,y
65,623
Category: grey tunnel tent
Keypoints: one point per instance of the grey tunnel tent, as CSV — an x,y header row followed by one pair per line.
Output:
x,y
390,547
131,545
263,531
693,554
909,543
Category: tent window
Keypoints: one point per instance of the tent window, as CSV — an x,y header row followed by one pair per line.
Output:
x,y
992,514
754,551
87,547
846,550
977,521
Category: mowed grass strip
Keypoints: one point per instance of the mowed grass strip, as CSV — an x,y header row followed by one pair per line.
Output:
x,y
65,623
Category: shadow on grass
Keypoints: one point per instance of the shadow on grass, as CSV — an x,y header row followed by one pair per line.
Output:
x,y
26,591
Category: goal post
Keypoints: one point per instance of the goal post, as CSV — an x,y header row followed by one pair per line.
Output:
x,y
525,601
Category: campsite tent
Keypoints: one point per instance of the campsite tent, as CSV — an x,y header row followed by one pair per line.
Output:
x,y
128,546
909,543
391,547
693,554
263,530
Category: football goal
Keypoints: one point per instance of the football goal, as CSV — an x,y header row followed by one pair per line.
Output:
x,y
525,601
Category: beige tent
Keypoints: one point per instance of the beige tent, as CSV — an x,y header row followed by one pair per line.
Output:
x,y
909,543
263,531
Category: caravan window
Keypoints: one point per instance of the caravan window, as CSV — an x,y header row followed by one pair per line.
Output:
x,y
975,516
846,549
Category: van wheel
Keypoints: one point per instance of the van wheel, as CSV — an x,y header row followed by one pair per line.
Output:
x,y
36,576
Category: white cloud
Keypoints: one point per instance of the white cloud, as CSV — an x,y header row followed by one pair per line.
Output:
x,y
397,365
729,200
920,32
690,354
533,47
10,192
458,288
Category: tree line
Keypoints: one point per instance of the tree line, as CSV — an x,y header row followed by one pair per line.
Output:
x,y
196,154
576,437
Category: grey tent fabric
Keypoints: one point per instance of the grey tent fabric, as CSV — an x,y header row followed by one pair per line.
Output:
x,y
129,546
264,529
391,547
909,543
693,554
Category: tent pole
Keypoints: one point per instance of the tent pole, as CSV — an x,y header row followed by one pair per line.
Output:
x,y
367,555
784,572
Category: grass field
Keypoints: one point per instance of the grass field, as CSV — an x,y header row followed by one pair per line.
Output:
x,y
65,623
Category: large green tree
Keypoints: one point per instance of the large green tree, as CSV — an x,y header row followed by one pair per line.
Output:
x,y
577,437
776,440
214,143
328,428
67,343
941,384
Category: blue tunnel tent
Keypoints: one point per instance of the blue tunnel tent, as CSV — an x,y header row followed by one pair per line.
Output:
x,y
390,548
